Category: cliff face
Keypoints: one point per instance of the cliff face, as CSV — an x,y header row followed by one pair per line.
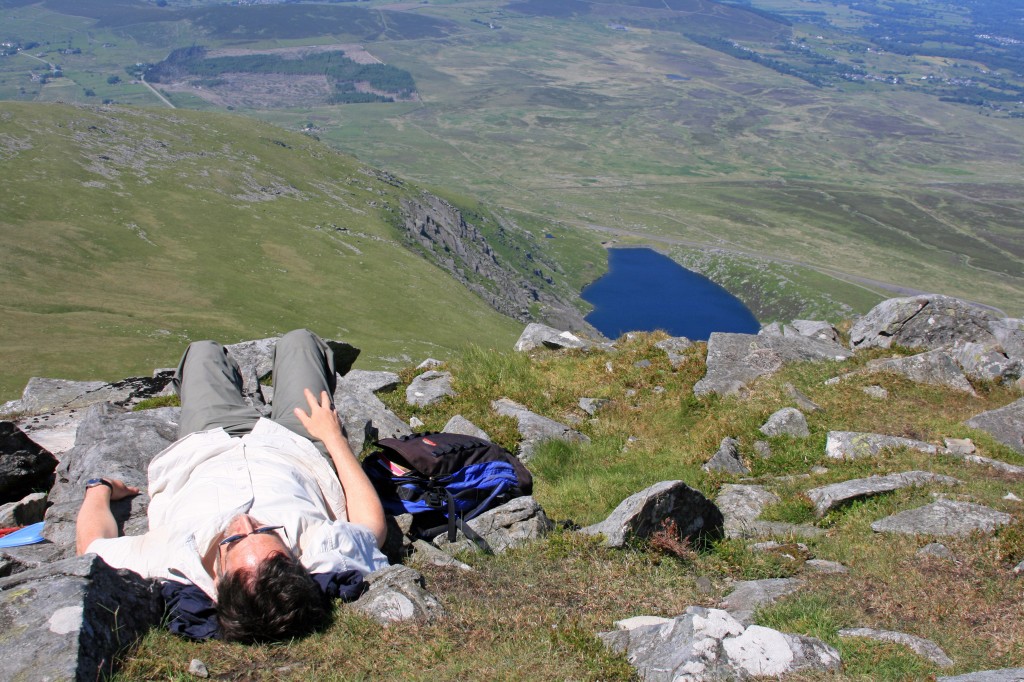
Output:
x,y
439,229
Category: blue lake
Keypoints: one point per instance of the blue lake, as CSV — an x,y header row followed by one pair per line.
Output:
x,y
644,290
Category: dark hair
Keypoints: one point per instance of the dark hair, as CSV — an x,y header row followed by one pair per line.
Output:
x,y
279,601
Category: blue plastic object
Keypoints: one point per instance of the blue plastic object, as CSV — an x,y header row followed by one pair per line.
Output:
x,y
29,535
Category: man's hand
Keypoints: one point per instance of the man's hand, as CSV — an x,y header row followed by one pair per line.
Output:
x,y
95,521
322,421
119,490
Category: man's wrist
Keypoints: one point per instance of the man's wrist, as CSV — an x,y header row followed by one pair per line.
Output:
x,y
95,482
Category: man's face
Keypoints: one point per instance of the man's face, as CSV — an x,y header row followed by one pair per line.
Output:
x,y
249,552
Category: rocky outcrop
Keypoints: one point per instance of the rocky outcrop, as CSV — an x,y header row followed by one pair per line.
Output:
x,y
827,498
788,421
429,388
24,466
851,444
513,524
1005,424
943,518
727,459
534,428
442,233
734,360
648,511
709,644
920,646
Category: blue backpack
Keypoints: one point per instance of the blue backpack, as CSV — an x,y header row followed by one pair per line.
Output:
x,y
444,480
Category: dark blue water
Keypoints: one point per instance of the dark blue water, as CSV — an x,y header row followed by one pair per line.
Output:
x,y
644,290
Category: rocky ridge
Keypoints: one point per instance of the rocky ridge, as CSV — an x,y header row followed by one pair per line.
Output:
x,y
55,601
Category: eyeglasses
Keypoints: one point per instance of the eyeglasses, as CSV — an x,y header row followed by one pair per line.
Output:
x,y
238,536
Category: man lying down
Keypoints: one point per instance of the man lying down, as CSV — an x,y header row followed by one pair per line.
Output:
x,y
246,509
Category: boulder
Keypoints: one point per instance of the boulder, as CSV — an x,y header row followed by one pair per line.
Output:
x,y
459,424
827,498
429,388
734,360
535,429
675,348
69,620
986,362
367,419
741,505
644,513
875,391
930,321
935,367
943,518
708,644
24,512
513,524
538,335
727,459
936,549
364,381
852,444
255,362
920,646
398,594
788,421
115,443
1009,332
24,466
1005,424
802,401
814,329
54,395
748,595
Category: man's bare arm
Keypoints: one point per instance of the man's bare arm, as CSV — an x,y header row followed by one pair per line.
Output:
x,y
361,501
95,519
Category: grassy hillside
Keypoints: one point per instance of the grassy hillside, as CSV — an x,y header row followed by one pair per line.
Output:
x,y
532,613
127,233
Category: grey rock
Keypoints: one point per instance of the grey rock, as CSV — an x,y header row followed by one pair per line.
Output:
x,y
771,329
54,431
430,363
429,388
815,329
936,549
959,446
825,566
920,646
986,362
1012,469
255,362
538,335
727,458
734,360
1009,333
364,381
788,421
70,620
1004,675
416,423
115,443
943,518
675,348
646,512
424,551
935,367
398,543
592,405
534,428
853,445
398,594
513,524
742,504
198,668
802,401
459,424
708,644
827,498
763,449
54,395
24,466
747,595
929,321
1005,424
704,585
642,364
876,392
367,419
24,512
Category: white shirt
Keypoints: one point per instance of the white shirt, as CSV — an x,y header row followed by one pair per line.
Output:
x,y
199,483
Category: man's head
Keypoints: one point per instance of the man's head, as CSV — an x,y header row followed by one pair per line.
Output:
x,y
263,592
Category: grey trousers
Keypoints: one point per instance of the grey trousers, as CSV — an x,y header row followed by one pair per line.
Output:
x,y
209,383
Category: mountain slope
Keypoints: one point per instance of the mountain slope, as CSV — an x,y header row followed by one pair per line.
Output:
x,y
127,233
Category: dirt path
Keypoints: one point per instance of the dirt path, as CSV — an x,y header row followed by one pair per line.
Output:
x,y
163,99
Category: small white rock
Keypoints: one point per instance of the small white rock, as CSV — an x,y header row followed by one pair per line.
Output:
x,y
198,668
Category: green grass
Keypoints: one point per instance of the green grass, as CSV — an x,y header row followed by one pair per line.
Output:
x,y
537,609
